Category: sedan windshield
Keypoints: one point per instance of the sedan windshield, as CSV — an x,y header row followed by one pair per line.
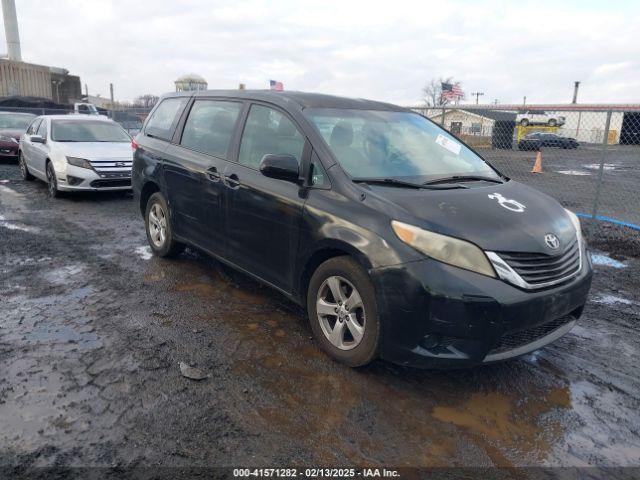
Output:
x,y
387,144
87,131
18,121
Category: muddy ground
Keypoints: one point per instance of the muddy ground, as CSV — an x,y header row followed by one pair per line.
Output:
x,y
92,329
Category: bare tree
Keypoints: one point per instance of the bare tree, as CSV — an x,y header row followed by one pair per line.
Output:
x,y
147,100
432,92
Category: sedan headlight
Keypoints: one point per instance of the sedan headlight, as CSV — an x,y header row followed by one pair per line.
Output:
x,y
79,162
453,251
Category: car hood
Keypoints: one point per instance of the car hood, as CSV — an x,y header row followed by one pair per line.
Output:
x,y
12,133
485,214
96,150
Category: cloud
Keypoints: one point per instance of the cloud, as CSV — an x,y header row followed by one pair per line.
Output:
x,y
380,50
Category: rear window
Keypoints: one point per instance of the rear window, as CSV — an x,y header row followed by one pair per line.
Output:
x,y
163,119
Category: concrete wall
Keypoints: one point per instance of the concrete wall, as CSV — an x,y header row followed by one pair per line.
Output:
x,y
19,78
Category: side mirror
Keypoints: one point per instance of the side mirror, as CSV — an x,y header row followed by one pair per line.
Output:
x,y
38,139
280,166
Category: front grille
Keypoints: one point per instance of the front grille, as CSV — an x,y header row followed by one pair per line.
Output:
x,y
111,183
111,167
513,340
538,269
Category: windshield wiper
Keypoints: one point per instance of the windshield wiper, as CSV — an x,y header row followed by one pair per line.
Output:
x,y
463,178
401,183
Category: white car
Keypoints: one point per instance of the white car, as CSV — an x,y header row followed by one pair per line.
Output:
x,y
538,117
76,152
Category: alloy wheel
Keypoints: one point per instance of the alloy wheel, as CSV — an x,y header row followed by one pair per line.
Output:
x,y
52,183
157,225
341,313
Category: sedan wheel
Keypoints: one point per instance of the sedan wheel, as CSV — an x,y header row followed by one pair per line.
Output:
x,y
341,313
52,182
24,170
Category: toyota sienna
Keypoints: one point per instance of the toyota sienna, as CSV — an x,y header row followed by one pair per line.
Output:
x,y
401,241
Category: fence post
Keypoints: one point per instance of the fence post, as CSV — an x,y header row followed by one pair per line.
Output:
x,y
605,144
442,118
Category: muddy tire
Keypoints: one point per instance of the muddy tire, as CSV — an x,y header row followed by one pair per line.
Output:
x,y
342,310
158,226
52,181
24,170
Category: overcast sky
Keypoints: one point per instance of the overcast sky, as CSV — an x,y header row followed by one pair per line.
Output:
x,y
383,50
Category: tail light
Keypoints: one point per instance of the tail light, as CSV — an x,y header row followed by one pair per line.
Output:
x,y
134,144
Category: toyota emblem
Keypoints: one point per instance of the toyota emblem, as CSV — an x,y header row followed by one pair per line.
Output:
x,y
552,241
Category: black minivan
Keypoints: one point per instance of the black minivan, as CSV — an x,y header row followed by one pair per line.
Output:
x,y
400,240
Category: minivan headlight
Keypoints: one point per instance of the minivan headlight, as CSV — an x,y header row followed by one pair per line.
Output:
x,y
576,222
453,251
79,162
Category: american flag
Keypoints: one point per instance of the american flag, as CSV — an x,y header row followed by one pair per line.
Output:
x,y
452,91
274,85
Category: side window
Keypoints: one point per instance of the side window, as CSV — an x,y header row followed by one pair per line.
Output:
x,y
317,173
33,128
209,127
161,122
42,129
268,131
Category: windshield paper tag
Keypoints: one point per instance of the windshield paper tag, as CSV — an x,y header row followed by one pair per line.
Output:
x,y
451,145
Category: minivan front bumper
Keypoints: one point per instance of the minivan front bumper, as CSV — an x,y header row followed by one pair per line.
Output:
x,y
436,316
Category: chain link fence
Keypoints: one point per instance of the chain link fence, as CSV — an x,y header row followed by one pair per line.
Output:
x,y
586,158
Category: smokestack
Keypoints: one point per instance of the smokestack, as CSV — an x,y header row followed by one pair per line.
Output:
x,y
11,30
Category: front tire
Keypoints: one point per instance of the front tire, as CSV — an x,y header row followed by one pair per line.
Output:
x,y
24,170
158,227
524,122
552,122
342,310
52,181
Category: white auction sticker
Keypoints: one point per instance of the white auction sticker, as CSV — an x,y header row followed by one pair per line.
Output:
x,y
451,145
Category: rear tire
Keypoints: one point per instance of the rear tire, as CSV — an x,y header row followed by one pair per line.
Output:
x,y
342,310
552,122
24,170
524,122
157,219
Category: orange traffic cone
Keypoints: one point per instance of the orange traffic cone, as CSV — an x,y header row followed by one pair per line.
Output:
x,y
537,167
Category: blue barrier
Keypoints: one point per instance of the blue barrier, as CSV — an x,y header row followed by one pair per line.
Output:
x,y
602,218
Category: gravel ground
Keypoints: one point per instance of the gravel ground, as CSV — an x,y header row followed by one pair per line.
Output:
x,y
92,330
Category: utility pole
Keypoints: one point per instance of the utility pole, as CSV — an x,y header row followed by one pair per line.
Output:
x,y
478,95
86,91
495,101
112,105
576,85
524,101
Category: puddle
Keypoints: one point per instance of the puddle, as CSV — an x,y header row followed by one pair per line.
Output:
x,y
62,275
605,260
574,172
144,252
17,226
612,300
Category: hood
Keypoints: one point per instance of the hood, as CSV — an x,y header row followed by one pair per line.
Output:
x,y
12,133
96,150
507,217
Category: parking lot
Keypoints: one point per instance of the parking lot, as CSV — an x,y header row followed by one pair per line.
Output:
x,y
93,328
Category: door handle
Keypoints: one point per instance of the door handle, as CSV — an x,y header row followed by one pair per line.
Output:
x,y
213,174
232,181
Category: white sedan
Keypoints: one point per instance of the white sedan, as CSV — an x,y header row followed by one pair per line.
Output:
x,y
76,152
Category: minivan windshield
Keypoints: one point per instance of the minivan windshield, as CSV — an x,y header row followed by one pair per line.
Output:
x,y
388,144
87,131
